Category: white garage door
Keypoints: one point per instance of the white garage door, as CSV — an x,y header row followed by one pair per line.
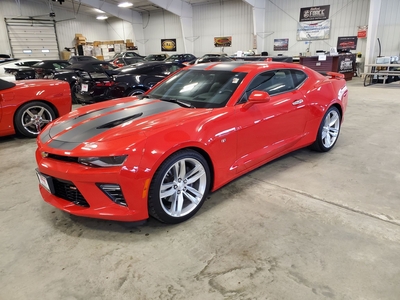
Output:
x,y
32,38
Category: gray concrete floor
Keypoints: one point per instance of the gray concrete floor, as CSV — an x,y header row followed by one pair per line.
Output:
x,y
306,226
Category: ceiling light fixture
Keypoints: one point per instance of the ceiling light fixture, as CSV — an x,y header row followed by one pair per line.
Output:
x,y
125,4
101,17
99,10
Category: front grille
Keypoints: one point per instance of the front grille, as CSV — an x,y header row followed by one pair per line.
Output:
x,y
68,191
63,158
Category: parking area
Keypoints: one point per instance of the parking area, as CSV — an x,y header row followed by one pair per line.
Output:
x,y
306,226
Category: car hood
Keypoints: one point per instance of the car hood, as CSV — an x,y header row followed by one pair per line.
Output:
x,y
100,123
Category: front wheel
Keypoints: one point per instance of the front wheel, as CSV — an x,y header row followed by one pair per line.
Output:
x,y
32,117
179,187
328,131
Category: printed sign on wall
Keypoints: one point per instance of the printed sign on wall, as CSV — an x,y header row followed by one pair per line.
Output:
x,y
223,41
168,44
281,44
316,30
315,13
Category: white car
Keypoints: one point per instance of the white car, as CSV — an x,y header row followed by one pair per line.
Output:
x,y
26,62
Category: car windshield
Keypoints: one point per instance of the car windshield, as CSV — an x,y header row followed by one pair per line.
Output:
x,y
199,88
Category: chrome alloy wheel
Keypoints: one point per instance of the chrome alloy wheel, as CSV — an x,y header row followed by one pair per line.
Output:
x,y
330,130
183,187
34,118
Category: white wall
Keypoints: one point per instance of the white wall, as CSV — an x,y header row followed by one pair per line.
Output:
x,y
161,25
282,17
389,28
233,18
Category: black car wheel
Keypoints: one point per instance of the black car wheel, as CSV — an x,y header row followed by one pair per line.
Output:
x,y
73,96
32,117
179,187
328,131
135,92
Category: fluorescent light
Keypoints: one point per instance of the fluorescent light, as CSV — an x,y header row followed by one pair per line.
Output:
x,y
101,17
45,50
125,4
99,11
27,51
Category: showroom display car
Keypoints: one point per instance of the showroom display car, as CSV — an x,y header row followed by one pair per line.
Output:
x,y
131,80
126,58
161,153
26,107
156,57
181,58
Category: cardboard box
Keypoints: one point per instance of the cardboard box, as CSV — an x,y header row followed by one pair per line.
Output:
x,y
130,45
78,35
100,57
128,41
118,42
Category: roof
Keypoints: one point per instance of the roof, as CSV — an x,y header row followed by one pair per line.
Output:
x,y
245,66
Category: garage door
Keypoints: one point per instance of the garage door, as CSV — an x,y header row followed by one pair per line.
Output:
x,y
32,38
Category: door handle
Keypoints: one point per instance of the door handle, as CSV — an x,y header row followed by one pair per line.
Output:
x,y
297,102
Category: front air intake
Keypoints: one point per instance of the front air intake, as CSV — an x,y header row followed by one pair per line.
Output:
x,y
114,192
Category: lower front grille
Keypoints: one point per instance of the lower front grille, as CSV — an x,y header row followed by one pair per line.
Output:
x,y
68,191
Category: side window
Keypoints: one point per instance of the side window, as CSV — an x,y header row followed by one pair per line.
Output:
x,y
272,82
156,71
298,77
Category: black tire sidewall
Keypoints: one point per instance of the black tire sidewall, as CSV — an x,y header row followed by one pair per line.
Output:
x,y
154,204
19,128
128,94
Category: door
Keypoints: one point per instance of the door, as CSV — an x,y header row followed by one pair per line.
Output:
x,y
32,38
267,129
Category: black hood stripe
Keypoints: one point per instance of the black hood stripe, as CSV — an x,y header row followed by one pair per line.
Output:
x,y
87,130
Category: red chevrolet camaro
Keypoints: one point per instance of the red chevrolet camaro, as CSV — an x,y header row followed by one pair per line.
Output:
x,y
161,153
26,107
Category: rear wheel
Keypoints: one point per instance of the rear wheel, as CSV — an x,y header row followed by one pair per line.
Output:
x,y
179,187
328,131
32,117
73,96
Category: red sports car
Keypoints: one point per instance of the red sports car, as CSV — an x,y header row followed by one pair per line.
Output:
x,y
161,153
27,106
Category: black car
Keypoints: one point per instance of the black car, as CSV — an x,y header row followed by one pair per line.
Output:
x,y
81,58
156,57
210,58
39,70
101,85
181,57
126,58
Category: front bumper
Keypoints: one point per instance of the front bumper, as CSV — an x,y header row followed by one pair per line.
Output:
x,y
85,197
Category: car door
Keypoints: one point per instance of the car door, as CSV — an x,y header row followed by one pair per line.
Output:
x,y
266,130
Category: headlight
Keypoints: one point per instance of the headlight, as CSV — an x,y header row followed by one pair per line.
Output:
x,y
106,161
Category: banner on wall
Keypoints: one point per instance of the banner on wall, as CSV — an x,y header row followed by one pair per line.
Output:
x,y
168,44
281,44
362,31
315,13
315,30
223,41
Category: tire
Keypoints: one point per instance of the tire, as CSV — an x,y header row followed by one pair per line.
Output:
x,y
176,194
32,117
328,131
75,100
135,92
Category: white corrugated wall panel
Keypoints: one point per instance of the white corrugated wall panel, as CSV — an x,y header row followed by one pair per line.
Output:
x,y
161,25
231,18
389,28
282,18
119,29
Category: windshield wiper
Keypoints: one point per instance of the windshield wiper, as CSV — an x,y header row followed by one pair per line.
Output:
x,y
181,103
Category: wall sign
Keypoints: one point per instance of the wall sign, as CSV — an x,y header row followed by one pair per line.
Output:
x,y
223,41
168,45
315,30
281,44
315,13
347,43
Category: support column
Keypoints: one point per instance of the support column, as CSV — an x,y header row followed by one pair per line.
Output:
x,y
185,13
258,22
372,33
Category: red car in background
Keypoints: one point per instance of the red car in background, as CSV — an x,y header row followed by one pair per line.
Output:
x,y
26,107
161,153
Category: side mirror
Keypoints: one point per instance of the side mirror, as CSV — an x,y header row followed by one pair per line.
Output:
x,y
257,97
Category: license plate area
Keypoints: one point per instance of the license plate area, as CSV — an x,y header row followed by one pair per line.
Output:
x,y
45,181
84,87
